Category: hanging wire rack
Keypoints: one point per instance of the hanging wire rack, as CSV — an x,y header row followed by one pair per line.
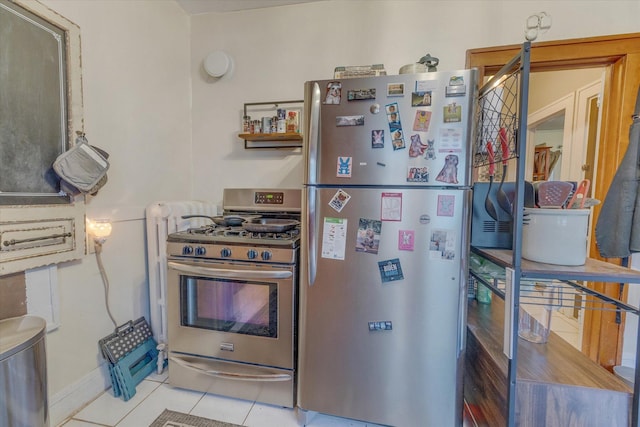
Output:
x,y
497,108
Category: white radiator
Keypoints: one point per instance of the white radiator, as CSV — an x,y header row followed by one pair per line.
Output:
x,y
164,218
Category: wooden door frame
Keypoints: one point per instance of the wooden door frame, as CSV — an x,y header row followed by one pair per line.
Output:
x,y
620,55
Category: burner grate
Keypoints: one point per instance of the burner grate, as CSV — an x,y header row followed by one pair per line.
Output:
x,y
235,232
287,235
217,230
239,232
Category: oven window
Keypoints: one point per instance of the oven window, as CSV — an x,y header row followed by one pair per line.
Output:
x,y
236,306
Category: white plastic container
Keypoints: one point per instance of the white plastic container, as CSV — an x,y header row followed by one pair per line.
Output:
x,y
555,236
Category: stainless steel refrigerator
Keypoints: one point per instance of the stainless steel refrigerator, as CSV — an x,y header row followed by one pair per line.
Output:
x,y
386,219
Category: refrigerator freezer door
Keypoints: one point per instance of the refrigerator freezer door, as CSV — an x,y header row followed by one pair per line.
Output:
x,y
410,129
381,323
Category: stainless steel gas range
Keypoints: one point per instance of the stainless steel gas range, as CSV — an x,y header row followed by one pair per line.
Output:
x,y
232,299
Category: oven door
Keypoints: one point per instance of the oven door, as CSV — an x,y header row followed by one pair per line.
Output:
x,y
239,312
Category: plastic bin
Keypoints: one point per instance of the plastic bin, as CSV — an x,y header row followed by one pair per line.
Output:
x,y
555,236
23,373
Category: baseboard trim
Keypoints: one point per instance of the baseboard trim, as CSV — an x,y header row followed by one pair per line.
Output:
x,y
76,396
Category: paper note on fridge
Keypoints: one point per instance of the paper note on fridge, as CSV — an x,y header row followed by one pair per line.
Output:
x,y
334,238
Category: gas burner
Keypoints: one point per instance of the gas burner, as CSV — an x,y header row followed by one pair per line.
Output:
x,y
206,230
274,222
239,232
235,232
286,235
218,230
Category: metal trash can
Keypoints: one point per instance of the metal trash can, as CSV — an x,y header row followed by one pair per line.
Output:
x,y
23,373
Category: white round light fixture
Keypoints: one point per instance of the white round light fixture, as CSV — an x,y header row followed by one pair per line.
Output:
x,y
217,64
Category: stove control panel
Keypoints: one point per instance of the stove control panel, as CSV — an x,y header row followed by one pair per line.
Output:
x,y
253,254
268,198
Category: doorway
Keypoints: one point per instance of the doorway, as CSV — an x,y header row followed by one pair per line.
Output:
x,y
569,123
619,56
549,135
562,144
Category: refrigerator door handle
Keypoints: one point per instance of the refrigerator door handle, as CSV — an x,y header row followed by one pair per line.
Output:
x,y
311,232
314,134
462,317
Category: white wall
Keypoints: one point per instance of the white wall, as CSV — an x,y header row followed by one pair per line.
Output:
x,y
137,101
552,93
276,50
553,85
145,96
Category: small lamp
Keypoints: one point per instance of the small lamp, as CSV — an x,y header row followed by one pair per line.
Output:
x,y
100,229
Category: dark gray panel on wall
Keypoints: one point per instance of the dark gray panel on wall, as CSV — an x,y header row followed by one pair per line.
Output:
x,y
33,116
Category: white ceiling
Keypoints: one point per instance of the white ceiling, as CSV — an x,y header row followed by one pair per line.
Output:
x,y
194,7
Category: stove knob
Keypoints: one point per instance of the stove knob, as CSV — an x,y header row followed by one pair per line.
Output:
x,y
252,254
200,250
266,255
187,250
225,252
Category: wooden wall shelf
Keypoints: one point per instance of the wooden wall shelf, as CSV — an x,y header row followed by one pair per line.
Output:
x,y
271,140
276,140
271,137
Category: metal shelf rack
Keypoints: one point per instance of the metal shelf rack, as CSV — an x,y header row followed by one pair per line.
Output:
x,y
502,103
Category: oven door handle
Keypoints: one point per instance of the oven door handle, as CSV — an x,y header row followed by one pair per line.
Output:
x,y
228,274
232,375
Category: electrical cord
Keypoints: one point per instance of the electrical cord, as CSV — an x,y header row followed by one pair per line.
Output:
x,y
162,348
105,281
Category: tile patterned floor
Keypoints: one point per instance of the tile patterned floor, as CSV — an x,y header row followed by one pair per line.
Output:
x,y
154,394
